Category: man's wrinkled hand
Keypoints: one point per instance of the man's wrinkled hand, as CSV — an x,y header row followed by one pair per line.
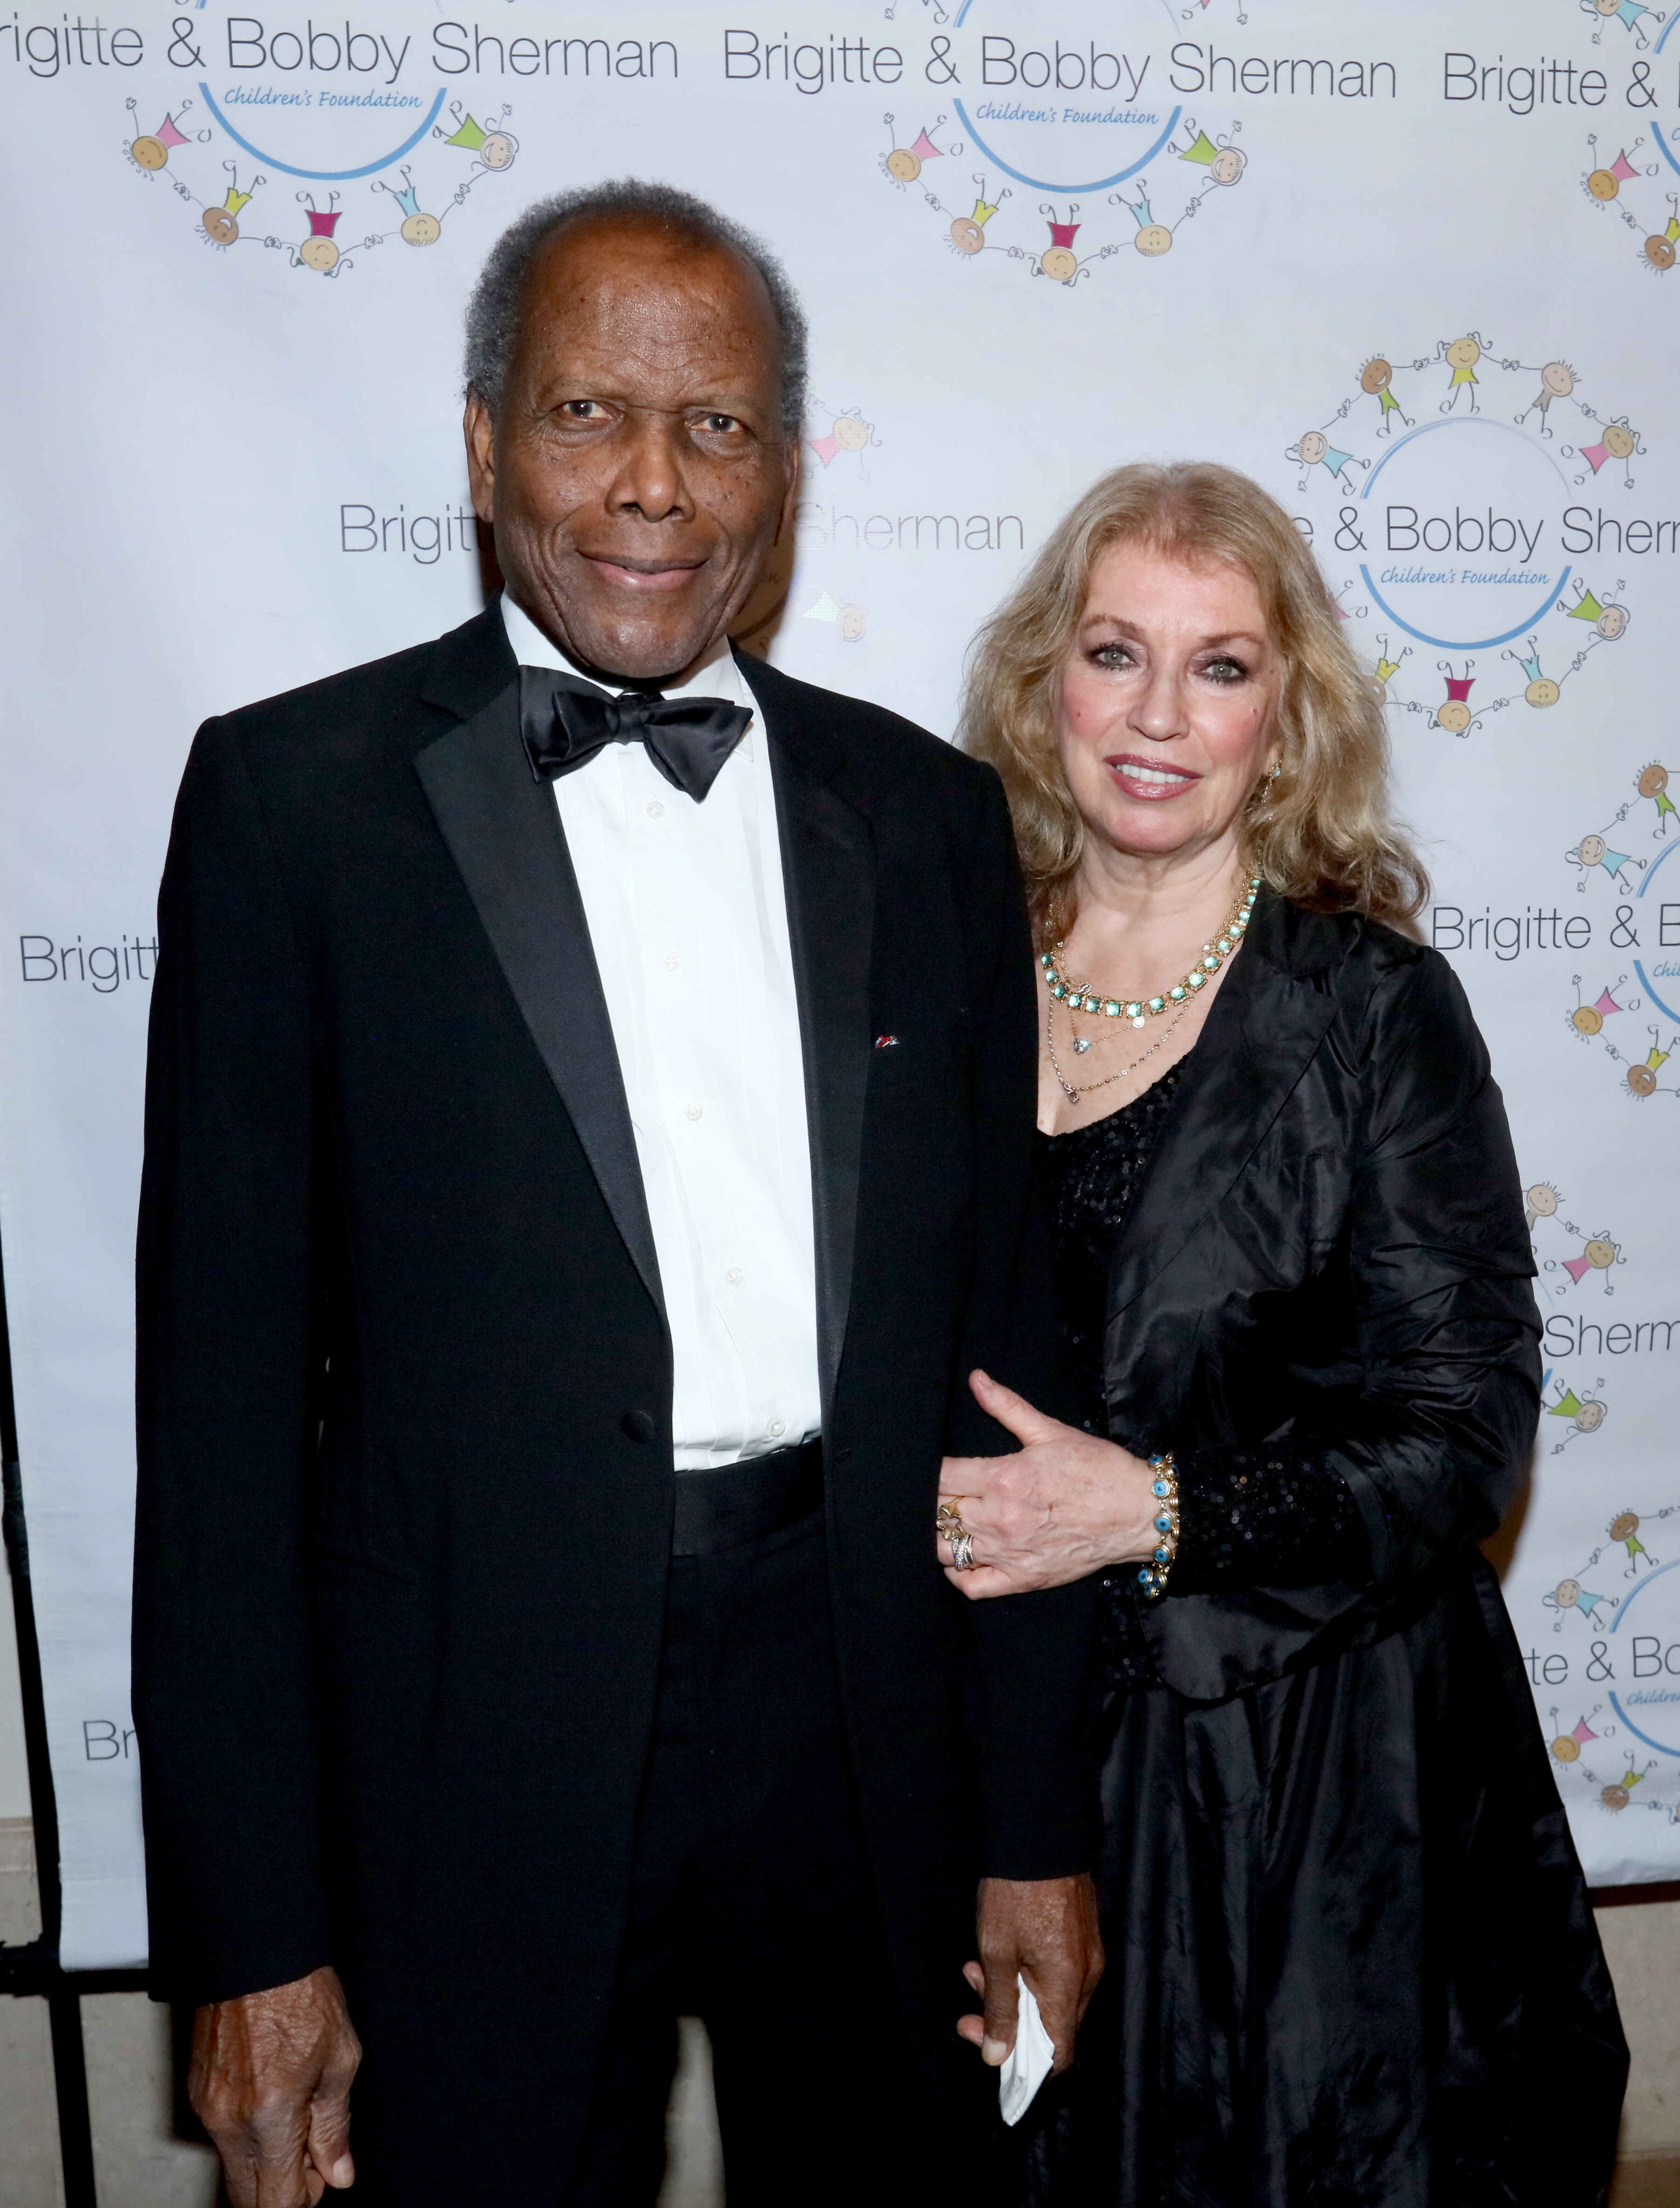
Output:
x,y
271,2083
1046,1930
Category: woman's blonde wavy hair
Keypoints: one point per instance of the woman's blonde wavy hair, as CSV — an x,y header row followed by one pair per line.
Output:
x,y
1321,834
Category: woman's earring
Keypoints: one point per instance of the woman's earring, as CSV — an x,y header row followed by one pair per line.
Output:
x,y
1275,772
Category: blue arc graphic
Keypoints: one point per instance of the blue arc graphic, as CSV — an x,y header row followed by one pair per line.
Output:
x,y
1043,184
1663,1747
324,176
1454,642
1651,874
1662,142
1464,644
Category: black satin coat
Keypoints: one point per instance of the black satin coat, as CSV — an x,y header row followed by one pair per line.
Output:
x,y
1351,1958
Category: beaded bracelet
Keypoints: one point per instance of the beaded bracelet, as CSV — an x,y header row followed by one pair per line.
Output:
x,y
1152,1577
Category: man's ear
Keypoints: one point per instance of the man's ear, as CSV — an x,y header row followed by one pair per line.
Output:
x,y
480,432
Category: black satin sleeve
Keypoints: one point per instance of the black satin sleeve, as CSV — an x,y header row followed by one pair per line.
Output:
x,y
1275,1516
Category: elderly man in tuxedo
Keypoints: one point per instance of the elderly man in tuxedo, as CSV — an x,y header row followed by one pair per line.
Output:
x,y
587,1146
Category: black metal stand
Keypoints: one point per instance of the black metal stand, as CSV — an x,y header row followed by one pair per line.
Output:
x,y
33,1969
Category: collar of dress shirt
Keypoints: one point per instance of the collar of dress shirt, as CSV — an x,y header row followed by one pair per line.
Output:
x,y
716,676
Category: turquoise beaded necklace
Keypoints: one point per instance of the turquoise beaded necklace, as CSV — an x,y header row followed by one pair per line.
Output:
x,y
1080,997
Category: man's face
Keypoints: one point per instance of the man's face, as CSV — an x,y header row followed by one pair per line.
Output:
x,y
639,473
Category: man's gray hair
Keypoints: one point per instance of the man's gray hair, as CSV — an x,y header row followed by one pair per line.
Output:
x,y
498,299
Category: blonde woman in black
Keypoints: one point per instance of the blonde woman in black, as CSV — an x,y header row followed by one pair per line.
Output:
x,y
1350,1957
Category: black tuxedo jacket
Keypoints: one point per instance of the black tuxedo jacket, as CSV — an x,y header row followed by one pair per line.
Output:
x,y
404,1390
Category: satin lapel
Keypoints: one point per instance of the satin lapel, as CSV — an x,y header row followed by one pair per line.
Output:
x,y
827,864
1263,1031
504,832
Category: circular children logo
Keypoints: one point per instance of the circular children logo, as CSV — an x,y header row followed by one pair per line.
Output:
x,y
1463,491
318,186
1061,149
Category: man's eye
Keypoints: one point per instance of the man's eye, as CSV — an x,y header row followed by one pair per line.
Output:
x,y
719,425
582,410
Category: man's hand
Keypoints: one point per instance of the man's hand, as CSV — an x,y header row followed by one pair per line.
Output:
x,y
1046,1929
271,2083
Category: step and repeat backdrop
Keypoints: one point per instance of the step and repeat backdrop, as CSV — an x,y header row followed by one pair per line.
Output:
x,y
1410,263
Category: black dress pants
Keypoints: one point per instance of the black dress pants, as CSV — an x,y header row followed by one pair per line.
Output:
x,y
750,1907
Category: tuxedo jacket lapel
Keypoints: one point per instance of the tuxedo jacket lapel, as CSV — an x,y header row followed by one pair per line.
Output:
x,y
503,831
1262,1032
828,860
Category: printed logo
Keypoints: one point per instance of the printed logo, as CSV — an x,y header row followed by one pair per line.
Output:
x,y
313,241
1453,491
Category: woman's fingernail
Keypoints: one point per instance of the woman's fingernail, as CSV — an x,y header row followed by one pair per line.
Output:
x,y
995,2052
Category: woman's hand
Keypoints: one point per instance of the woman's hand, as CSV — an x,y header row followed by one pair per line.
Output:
x,y
1065,1506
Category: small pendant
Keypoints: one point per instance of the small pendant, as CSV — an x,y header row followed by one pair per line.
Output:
x,y
1082,1044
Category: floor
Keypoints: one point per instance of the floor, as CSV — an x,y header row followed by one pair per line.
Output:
x,y
141,2163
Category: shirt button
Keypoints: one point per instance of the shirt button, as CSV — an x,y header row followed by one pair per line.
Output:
x,y
655,810
777,1428
734,1276
691,1111
671,962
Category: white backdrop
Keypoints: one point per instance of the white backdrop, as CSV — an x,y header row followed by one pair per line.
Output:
x,y
1409,262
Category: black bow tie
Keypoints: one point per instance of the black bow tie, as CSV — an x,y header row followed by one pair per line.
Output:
x,y
566,720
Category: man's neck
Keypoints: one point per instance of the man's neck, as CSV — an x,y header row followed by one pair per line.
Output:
x,y
608,678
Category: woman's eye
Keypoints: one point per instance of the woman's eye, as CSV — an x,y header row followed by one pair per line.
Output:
x,y
1112,655
1227,671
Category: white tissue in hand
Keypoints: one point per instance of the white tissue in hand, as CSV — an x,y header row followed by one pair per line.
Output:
x,y
1029,2060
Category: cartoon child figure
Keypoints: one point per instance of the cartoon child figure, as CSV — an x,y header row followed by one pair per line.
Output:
x,y
1597,1256
1455,716
1585,1416
1604,184
1624,1527
1619,442
1567,1746
495,147
1610,621
1642,1078
1653,784
1542,691
319,249
1461,355
1629,12
1224,162
1557,381
1542,1202
1660,247
1059,261
1387,669
1315,450
221,223
1152,239
1377,381
1569,1594
847,432
968,231
152,148
1619,1797
1593,851
417,228
904,164
1589,1019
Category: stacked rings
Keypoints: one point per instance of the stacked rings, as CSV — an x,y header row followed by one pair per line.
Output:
x,y
1152,1577
948,1527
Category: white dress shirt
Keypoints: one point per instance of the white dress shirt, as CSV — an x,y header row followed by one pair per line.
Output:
x,y
689,923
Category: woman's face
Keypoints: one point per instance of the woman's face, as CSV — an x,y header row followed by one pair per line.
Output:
x,y
1168,697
